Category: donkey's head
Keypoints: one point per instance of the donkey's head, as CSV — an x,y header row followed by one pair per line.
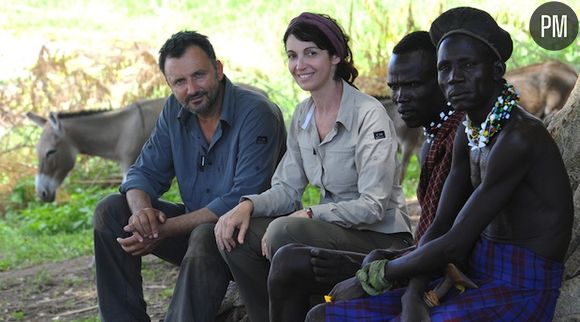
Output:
x,y
56,155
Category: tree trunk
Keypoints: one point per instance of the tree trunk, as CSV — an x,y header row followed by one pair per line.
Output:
x,y
564,126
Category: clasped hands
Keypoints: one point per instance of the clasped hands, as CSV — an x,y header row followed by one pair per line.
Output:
x,y
146,226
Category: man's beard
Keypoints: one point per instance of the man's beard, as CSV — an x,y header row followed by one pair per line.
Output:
x,y
206,107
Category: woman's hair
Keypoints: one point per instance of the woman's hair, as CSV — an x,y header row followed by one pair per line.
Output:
x,y
327,34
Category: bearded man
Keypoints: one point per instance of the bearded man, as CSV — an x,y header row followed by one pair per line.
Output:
x,y
220,142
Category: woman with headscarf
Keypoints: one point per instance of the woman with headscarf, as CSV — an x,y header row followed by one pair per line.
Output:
x,y
340,141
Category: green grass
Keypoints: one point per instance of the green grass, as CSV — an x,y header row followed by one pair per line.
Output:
x,y
19,248
50,232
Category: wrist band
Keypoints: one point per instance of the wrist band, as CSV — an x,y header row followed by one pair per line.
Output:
x,y
371,277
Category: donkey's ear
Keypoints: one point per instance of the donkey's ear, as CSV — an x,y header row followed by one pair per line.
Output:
x,y
37,119
54,122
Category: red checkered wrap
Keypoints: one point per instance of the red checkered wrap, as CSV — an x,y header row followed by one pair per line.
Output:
x,y
434,171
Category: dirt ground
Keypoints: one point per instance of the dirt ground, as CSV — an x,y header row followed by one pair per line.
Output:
x,y
66,291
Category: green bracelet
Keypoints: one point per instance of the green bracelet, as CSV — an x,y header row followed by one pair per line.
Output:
x,y
371,277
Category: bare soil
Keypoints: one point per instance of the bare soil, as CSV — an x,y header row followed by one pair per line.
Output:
x,y
66,291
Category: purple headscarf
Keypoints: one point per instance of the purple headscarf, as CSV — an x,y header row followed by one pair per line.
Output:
x,y
327,27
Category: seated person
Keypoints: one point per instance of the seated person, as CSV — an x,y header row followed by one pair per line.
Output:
x,y
220,141
505,214
299,271
341,141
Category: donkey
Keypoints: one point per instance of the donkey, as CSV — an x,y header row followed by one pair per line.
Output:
x,y
544,87
116,135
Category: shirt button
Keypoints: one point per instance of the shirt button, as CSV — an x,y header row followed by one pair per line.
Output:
x,y
207,190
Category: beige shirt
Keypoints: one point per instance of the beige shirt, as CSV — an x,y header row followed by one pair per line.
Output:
x,y
355,167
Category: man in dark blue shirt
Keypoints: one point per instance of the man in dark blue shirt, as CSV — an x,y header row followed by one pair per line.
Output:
x,y
220,142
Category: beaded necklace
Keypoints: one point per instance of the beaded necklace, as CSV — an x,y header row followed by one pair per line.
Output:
x,y
479,136
431,130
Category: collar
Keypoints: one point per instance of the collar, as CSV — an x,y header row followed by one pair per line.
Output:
x,y
346,111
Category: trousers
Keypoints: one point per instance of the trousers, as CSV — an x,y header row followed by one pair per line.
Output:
x,y
250,269
203,274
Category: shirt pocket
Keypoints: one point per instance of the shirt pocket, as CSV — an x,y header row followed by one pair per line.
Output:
x,y
340,170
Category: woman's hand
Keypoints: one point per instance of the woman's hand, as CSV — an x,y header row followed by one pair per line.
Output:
x,y
237,218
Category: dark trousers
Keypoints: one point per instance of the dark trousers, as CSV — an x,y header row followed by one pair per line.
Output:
x,y
250,269
203,275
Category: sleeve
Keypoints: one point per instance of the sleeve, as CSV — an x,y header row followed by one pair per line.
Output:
x,y
376,164
288,182
261,141
153,170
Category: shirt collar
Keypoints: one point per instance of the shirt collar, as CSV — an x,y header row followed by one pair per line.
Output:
x,y
347,109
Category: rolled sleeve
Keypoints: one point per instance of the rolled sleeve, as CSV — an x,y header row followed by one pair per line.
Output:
x,y
288,182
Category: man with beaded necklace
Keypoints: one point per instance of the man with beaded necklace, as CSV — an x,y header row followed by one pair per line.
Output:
x,y
506,210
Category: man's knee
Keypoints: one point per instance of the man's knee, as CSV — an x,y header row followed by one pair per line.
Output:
x,y
290,262
111,209
284,231
202,241
316,314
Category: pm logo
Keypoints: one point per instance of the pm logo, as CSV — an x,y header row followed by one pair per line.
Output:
x,y
555,23
554,26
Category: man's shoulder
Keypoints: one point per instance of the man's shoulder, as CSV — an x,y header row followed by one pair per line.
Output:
x,y
526,127
249,99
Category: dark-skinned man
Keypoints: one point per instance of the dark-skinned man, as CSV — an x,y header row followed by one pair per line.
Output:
x,y
220,142
300,271
505,214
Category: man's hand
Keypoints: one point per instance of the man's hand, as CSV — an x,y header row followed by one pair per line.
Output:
x,y
299,213
238,217
332,266
144,223
414,308
265,249
347,290
135,247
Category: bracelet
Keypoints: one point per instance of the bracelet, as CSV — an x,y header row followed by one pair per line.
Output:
x,y
371,277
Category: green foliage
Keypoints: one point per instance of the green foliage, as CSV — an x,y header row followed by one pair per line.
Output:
x,y
411,178
50,218
167,293
113,71
311,196
19,248
18,315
